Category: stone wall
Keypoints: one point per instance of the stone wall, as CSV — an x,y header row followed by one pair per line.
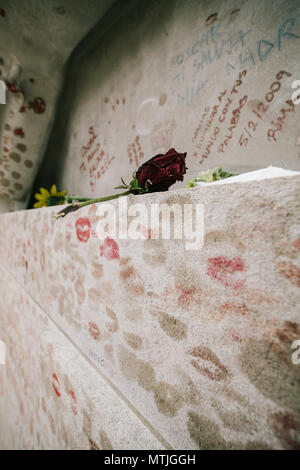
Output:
x,y
210,78
122,343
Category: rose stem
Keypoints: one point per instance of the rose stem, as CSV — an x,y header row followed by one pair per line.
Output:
x,y
102,199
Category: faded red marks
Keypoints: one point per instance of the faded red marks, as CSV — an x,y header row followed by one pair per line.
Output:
x,y
38,105
83,229
135,151
111,326
37,414
22,109
12,88
94,330
162,134
95,160
97,270
73,402
94,218
290,272
188,295
222,268
296,244
44,408
216,370
52,424
127,272
56,385
109,249
131,279
19,132
103,294
80,291
236,308
149,234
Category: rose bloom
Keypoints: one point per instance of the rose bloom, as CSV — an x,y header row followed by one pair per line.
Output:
x,y
163,170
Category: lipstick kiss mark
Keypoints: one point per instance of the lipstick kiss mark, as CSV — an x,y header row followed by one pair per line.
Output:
x,y
222,268
109,249
83,229
38,105
94,330
56,385
201,353
19,132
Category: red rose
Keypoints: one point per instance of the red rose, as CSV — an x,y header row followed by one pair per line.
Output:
x,y
162,171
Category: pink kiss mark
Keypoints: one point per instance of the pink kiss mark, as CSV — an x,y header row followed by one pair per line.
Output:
x,y
221,268
83,229
56,385
109,249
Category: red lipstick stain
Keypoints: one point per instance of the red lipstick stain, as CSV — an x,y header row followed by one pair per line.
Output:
x,y
83,229
94,330
221,268
56,385
12,88
38,105
19,132
22,109
109,249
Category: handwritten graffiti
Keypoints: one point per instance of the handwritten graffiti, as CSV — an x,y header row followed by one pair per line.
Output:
x,y
265,46
135,152
219,42
95,160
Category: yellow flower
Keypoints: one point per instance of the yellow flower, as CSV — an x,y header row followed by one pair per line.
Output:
x,y
52,198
